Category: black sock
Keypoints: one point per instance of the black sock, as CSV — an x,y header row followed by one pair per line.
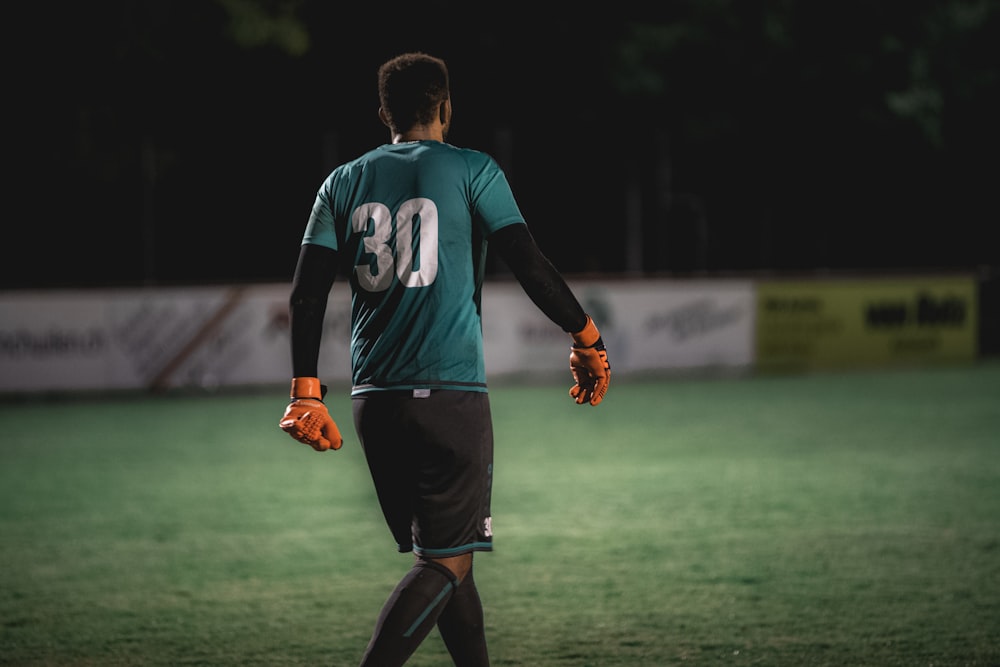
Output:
x,y
461,626
409,614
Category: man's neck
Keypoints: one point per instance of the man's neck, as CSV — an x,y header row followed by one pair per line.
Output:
x,y
421,133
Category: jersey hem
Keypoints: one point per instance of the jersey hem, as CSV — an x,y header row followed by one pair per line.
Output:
x,y
409,386
453,551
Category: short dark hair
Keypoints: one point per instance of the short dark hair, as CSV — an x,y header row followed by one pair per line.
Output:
x,y
411,87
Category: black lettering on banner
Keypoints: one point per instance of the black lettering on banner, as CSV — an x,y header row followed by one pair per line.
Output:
x,y
693,319
22,343
927,310
948,311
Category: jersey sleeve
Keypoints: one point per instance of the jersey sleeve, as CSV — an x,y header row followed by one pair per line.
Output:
x,y
493,202
320,229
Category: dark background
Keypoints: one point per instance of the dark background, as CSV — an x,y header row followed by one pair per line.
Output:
x,y
157,142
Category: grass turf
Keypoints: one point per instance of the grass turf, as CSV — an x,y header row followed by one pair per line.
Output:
x,y
839,519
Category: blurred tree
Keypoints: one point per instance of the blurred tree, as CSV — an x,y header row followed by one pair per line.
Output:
x,y
816,135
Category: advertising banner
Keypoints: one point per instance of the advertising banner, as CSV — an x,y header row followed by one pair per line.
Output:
x,y
222,336
154,338
874,322
647,325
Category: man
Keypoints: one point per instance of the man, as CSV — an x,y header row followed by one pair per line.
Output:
x,y
414,217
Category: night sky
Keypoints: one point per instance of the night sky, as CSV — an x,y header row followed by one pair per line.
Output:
x,y
158,143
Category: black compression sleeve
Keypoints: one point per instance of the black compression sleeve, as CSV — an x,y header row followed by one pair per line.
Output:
x,y
540,280
314,276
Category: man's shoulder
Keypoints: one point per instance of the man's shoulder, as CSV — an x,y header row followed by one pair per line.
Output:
x,y
470,154
479,164
364,158
354,167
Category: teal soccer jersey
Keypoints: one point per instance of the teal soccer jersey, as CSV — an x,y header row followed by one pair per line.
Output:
x,y
413,218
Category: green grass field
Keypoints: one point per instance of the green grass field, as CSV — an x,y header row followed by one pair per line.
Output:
x,y
839,519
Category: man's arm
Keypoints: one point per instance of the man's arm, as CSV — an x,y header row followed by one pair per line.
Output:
x,y
546,287
540,280
306,418
314,276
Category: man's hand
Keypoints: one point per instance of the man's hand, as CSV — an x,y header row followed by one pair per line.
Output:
x,y
306,418
588,361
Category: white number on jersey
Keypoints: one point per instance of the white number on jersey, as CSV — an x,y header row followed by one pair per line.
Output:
x,y
416,259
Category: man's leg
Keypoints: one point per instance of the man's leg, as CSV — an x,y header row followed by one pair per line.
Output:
x,y
413,609
462,628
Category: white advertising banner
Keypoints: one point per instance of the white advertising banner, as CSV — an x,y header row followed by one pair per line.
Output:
x,y
153,338
54,341
647,326
160,338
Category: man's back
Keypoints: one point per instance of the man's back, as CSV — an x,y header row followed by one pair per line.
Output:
x,y
413,218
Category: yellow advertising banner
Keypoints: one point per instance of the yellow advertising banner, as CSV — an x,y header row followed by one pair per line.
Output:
x,y
827,324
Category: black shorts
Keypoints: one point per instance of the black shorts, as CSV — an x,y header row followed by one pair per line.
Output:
x,y
431,460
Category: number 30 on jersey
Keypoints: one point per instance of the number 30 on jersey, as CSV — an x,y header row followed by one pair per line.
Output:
x,y
416,258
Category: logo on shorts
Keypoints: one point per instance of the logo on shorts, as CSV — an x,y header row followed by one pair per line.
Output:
x,y
488,526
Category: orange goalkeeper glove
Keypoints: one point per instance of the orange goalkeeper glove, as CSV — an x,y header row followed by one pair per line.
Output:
x,y
306,418
588,361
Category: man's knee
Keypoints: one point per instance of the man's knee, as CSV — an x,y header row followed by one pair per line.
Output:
x,y
458,566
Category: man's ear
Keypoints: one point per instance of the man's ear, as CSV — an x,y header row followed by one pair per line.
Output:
x,y
384,118
444,112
